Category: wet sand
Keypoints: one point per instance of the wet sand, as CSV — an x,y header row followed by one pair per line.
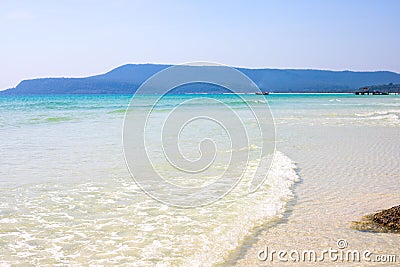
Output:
x,y
346,172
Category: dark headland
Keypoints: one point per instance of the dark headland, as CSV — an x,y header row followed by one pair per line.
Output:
x,y
127,78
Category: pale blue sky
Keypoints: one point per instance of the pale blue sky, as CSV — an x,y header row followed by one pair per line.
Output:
x,y
83,37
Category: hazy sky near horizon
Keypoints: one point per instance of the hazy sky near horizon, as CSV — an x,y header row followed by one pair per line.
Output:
x,y
78,38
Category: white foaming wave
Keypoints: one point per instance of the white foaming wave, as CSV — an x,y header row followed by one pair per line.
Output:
x,y
377,112
117,223
391,104
391,119
388,117
267,203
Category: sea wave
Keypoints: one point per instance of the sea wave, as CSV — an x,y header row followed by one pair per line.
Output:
x,y
114,222
58,119
255,211
378,112
387,117
53,119
117,111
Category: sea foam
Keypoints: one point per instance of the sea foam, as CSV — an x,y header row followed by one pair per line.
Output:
x,y
110,222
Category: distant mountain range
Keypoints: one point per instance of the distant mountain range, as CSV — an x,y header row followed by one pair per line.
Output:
x,y
127,78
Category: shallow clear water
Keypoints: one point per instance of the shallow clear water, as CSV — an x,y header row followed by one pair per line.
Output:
x,y
66,195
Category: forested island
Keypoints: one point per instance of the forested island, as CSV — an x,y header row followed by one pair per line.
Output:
x,y
127,78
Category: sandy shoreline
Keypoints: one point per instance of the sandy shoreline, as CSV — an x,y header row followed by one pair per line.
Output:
x,y
346,172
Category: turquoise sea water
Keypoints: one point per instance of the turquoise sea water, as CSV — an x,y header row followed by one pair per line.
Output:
x,y
66,195
29,110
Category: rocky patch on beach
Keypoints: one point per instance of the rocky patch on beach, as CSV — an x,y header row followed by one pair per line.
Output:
x,y
383,221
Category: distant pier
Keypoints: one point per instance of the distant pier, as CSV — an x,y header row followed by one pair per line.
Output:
x,y
373,93
389,89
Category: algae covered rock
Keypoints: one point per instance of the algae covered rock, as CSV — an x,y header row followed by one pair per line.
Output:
x,y
383,221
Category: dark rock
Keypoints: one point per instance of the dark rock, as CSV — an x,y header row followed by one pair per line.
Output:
x,y
383,221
